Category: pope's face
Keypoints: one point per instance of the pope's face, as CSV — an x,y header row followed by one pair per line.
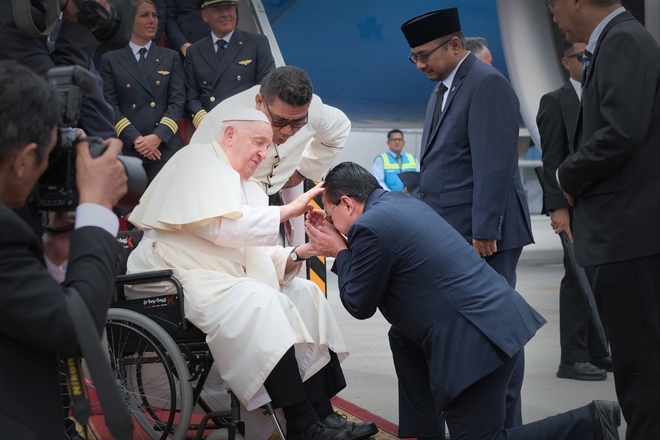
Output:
x,y
246,145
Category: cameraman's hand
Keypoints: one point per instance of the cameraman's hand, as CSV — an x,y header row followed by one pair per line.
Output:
x,y
148,145
70,10
101,180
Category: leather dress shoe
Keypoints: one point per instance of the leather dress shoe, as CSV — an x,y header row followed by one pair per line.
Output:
x,y
602,362
580,371
358,430
317,431
606,418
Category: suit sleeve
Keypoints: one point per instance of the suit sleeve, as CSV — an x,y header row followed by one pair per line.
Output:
x,y
626,81
265,61
194,108
554,145
75,45
34,310
162,19
328,140
493,137
174,34
126,131
176,97
362,271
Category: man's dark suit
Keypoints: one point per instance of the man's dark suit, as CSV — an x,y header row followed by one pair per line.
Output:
x,y
557,120
449,305
35,326
146,100
247,60
469,175
615,178
469,163
184,23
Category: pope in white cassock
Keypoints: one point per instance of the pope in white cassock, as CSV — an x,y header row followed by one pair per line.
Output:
x,y
208,221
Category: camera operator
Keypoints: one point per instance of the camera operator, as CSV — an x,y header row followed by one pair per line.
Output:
x,y
35,326
75,45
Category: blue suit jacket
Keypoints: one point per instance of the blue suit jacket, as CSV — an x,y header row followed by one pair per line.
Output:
x,y
469,161
427,281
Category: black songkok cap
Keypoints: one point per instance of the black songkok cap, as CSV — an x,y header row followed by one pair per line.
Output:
x,y
431,26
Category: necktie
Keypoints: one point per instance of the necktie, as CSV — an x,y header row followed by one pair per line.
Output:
x,y
586,60
143,53
439,95
221,49
398,160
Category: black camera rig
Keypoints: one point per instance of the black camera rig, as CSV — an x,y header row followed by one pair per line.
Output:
x,y
112,29
56,189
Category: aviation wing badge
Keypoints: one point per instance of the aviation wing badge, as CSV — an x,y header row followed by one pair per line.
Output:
x,y
244,62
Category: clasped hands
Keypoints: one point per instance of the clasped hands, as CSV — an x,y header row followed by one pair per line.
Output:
x,y
324,239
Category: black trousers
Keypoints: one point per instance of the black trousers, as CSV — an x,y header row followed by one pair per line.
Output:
x,y
629,294
419,415
578,338
286,388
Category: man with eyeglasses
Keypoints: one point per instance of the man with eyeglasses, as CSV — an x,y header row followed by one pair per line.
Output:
x,y
582,357
387,166
307,134
465,326
272,335
468,170
613,183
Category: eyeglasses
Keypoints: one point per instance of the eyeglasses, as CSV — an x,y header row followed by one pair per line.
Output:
x,y
396,139
578,56
328,214
424,58
280,123
551,5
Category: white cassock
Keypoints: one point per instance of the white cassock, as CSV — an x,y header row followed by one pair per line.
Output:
x,y
218,234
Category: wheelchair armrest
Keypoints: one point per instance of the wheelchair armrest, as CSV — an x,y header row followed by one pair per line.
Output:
x,y
144,277
153,277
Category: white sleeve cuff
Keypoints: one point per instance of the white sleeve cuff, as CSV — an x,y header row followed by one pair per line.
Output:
x,y
90,214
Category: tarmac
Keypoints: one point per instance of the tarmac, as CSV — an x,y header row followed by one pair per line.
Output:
x,y
369,371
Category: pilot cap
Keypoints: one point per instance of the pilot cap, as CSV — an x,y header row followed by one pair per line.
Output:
x,y
204,3
431,26
246,114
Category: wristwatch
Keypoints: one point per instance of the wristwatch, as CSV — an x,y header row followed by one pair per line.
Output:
x,y
295,257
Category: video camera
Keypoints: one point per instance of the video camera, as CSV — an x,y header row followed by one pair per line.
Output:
x,y
111,29
56,189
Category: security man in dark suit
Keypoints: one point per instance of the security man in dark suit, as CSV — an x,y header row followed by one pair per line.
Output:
x,y
226,62
613,183
35,326
185,25
144,83
557,120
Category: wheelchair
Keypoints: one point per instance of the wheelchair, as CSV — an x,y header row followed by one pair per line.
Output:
x,y
164,368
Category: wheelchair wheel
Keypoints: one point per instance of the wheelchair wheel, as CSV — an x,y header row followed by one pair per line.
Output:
x,y
152,374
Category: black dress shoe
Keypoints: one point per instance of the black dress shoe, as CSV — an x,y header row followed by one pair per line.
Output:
x,y
357,431
607,419
580,371
602,362
317,431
